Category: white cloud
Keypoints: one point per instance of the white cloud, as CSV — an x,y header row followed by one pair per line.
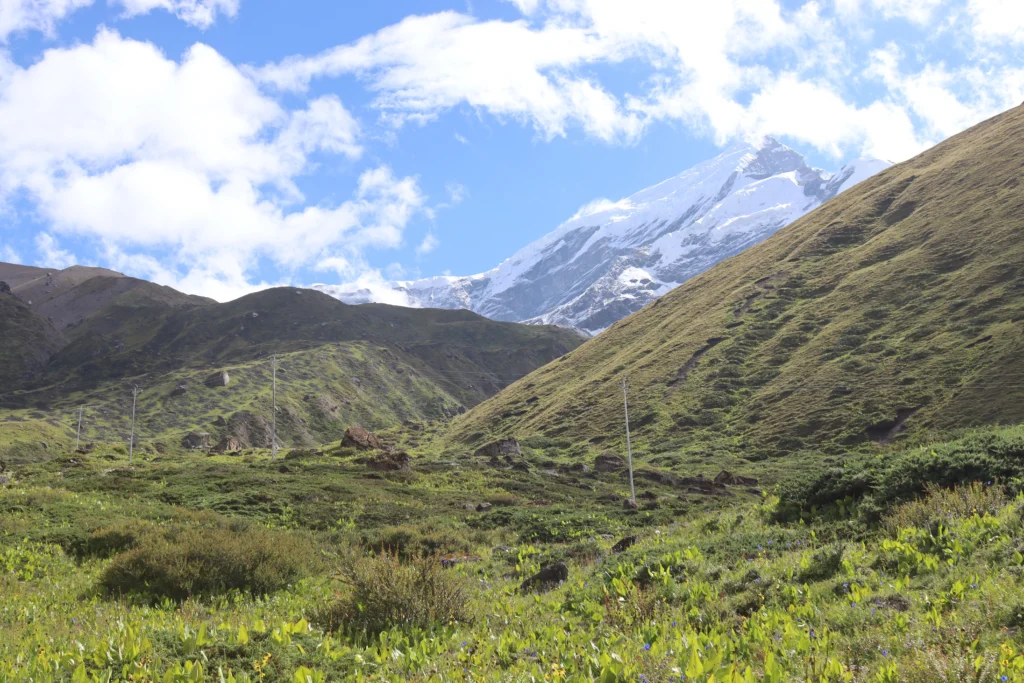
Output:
x,y
916,11
998,20
461,139
50,253
9,255
35,15
429,244
200,13
457,193
141,154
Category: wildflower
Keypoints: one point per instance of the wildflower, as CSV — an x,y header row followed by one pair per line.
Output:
x,y
647,646
885,653
673,624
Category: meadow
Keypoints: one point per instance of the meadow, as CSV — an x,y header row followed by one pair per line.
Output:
x,y
188,567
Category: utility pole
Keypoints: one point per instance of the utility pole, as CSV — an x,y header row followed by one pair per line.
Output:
x,y
78,435
273,415
131,444
629,448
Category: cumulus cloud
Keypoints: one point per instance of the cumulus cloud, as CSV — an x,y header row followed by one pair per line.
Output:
x,y
43,15
200,13
143,155
728,69
50,253
429,244
9,255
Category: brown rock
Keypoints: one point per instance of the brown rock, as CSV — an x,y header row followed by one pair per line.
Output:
x,y
547,577
629,504
358,437
221,378
196,440
508,447
228,444
624,544
390,461
609,462
726,478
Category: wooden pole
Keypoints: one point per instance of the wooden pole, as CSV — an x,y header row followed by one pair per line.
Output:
x,y
273,416
78,434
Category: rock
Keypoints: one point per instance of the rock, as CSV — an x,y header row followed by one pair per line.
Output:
x,y
609,462
483,507
649,495
576,468
547,577
629,504
358,437
658,477
698,484
85,449
284,469
251,430
221,378
390,461
228,444
179,390
726,478
521,466
508,446
4,479
4,288
45,446
624,544
196,440
220,422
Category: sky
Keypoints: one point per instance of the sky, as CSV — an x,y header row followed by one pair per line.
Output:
x,y
223,146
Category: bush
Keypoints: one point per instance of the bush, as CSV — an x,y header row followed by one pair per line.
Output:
x,y
941,506
386,593
179,564
825,564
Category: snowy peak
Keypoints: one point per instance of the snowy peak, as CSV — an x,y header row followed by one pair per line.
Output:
x,y
613,258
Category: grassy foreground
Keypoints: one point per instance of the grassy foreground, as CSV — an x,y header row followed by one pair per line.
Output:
x,y
217,569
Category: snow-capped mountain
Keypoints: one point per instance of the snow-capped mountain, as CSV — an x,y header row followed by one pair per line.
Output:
x,y
615,258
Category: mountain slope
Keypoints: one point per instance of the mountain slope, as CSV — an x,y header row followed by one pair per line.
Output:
x,y
379,365
897,306
28,340
599,267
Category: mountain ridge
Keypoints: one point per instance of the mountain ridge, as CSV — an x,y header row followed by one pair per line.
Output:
x,y
600,266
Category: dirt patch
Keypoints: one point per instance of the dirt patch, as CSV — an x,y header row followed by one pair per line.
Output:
x,y
695,358
884,432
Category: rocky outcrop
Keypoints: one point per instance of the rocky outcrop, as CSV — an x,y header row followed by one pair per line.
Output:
x,y
4,288
625,544
196,441
726,478
547,577
179,390
609,462
221,378
388,461
251,430
228,444
506,446
359,437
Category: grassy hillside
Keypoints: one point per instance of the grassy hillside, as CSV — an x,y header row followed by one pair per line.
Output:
x,y
896,308
340,364
28,341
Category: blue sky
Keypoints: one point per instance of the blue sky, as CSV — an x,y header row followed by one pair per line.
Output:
x,y
219,146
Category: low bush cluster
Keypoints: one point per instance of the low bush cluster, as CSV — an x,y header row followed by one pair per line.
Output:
x,y
182,563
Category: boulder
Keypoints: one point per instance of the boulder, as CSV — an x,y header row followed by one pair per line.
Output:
x,y
629,504
609,462
521,466
251,430
85,449
228,444
220,422
726,478
179,390
4,288
221,378
483,507
357,436
624,544
698,484
508,447
576,468
196,440
547,577
658,477
389,461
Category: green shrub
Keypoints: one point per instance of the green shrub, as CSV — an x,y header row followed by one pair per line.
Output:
x,y
824,564
945,505
179,564
386,592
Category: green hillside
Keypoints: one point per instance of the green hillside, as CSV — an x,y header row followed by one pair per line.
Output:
x,y
340,364
894,309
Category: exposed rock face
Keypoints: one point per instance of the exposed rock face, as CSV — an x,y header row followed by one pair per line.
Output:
x,y
609,462
196,440
251,429
507,446
220,421
228,444
389,461
357,436
546,577
220,378
726,478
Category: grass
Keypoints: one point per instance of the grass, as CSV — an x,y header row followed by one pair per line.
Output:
x,y
715,585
